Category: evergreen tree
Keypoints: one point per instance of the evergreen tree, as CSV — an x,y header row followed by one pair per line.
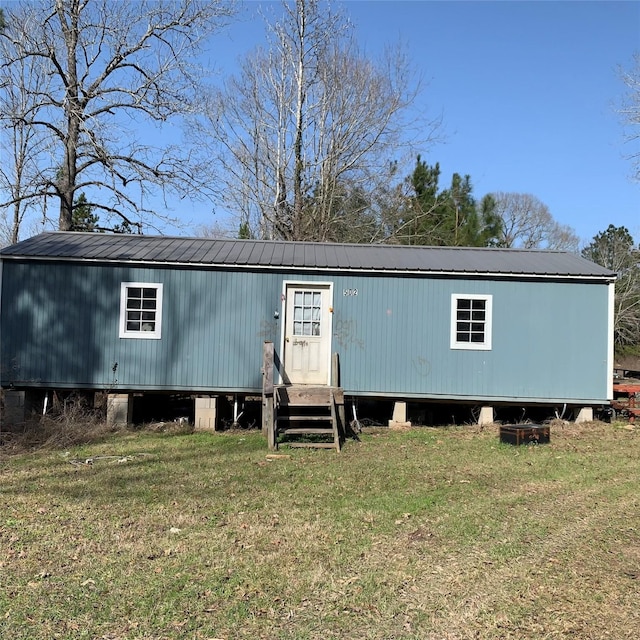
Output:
x,y
615,249
83,218
244,232
125,227
449,217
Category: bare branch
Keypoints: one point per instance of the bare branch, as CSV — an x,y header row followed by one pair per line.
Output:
x,y
308,121
104,66
527,223
630,111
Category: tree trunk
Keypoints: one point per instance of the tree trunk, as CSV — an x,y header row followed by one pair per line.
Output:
x,y
73,110
297,150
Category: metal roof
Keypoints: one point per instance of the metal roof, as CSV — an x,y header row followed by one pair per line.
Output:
x,y
307,256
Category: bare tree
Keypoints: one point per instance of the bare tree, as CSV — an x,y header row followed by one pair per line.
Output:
x,y
110,66
527,223
631,110
22,85
308,124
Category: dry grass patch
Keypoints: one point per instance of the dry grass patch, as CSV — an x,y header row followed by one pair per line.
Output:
x,y
429,533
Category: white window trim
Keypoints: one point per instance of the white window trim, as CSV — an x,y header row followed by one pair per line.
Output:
x,y
488,329
143,335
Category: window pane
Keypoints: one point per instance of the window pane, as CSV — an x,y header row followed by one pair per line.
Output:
x,y
134,304
316,329
307,314
478,314
149,304
477,337
297,328
316,315
134,292
133,315
307,328
464,304
316,299
479,304
477,326
464,315
148,326
308,298
297,313
149,293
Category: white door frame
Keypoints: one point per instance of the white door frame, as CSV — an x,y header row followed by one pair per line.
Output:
x,y
283,324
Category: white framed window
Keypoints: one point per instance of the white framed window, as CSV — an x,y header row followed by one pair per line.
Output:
x,y
471,321
141,310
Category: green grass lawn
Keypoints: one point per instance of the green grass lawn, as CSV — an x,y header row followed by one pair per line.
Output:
x,y
428,533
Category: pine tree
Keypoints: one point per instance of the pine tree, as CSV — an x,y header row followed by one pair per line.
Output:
x,y
616,250
449,217
83,218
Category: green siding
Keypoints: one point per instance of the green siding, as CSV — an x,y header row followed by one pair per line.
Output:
x,y
60,329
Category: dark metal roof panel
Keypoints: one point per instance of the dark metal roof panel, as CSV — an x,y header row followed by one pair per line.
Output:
x,y
247,253
186,251
211,253
198,252
286,254
303,255
171,251
264,253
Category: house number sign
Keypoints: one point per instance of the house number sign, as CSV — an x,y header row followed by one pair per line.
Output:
x,y
349,292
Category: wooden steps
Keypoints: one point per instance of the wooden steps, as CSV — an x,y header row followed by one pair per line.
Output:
x,y
307,416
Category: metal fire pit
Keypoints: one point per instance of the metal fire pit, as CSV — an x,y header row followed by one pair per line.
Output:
x,y
524,434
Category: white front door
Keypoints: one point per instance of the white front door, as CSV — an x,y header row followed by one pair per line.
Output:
x,y
307,333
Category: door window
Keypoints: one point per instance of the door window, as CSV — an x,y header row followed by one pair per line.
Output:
x,y
306,313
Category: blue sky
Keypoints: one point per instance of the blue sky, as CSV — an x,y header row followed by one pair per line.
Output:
x,y
528,93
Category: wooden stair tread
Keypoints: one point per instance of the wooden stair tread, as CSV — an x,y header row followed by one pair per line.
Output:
x,y
309,431
302,418
308,395
311,445
323,405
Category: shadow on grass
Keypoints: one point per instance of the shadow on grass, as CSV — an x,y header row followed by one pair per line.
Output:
x,y
140,466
